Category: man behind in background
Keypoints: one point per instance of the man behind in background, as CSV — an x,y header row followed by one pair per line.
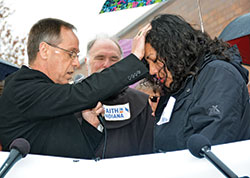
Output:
x,y
128,120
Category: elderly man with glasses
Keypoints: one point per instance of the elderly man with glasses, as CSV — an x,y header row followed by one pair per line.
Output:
x,y
39,104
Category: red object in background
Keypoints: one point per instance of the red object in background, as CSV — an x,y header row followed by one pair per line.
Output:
x,y
237,32
243,44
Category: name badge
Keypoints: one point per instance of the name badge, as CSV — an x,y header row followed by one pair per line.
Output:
x,y
167,112
117,112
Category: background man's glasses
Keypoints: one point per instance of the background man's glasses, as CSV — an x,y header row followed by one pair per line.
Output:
x,y
73,55
153,99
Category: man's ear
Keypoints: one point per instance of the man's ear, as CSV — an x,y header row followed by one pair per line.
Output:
x,y
86,62
43,50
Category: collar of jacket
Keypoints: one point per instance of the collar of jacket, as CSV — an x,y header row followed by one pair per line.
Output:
x,y
185,89
183,92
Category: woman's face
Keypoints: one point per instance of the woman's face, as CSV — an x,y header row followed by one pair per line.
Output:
x,y
156,66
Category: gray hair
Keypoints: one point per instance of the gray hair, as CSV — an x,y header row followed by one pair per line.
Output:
x,y
47,30
103,37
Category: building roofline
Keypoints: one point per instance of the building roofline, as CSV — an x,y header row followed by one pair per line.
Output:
x,y
141,18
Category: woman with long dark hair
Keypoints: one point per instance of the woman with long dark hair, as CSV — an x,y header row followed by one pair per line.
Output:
x,y
203,85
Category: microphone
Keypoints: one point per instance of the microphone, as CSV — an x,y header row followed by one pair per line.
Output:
x,y
78,78
200,147
19,148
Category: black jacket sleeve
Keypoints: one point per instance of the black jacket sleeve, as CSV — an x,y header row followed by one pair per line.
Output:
x,y
38,97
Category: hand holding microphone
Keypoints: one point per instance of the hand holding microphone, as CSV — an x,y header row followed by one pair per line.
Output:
x,y
91,115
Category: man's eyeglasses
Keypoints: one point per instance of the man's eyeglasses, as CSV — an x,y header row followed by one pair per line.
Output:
x,y
73,55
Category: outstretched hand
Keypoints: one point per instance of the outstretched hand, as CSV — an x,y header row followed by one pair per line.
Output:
x,y
138,46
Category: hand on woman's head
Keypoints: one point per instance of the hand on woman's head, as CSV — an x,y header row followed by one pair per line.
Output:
x,y
138,46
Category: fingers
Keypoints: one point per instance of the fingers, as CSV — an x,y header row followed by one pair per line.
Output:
x,y
90,115
99,105
98,109
95,111
144,30
139,42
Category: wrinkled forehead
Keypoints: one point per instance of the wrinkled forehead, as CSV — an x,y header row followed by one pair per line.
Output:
x,y
69,39
105,47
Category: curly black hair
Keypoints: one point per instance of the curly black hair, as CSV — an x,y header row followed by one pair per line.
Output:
x,y
180,47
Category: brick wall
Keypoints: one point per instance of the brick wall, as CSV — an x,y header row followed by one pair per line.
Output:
x,y
216,14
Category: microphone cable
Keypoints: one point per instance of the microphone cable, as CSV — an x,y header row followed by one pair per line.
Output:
x,y
101,119
88,142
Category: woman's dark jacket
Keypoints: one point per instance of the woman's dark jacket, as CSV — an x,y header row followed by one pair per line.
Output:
x,y
212,103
